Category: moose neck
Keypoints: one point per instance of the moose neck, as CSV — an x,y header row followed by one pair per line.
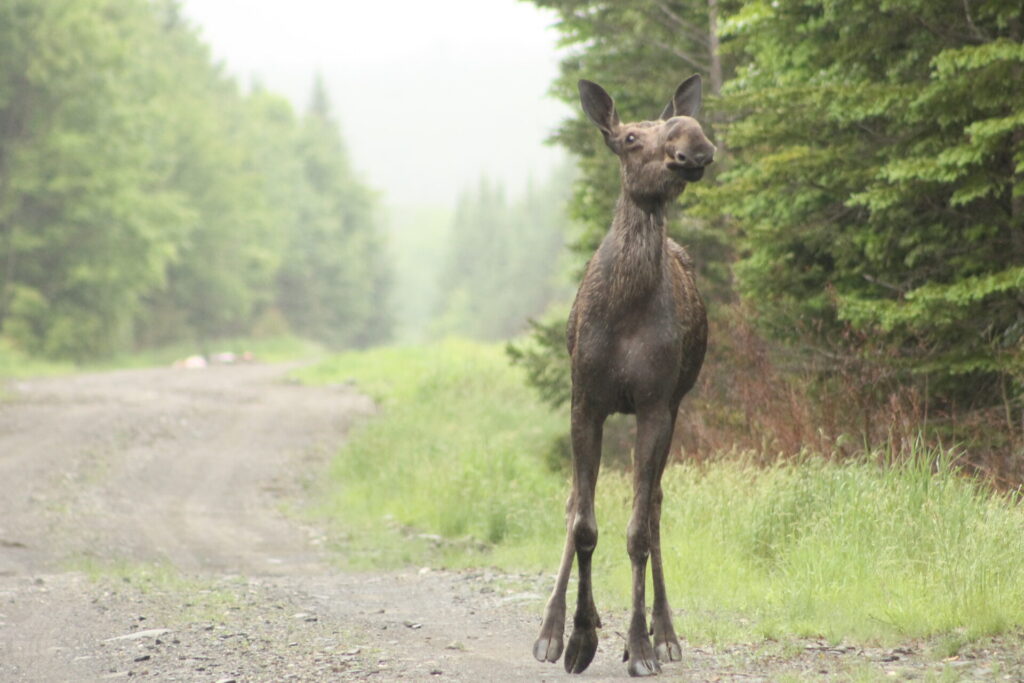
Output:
x,y
638,237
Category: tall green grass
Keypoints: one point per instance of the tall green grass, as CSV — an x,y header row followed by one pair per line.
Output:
x,y
854,550
456,451
851,550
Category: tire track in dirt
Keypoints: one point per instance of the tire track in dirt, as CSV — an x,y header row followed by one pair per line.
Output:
x,y
165,465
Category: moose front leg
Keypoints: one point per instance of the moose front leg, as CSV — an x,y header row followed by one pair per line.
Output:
x,y
654,435
586,446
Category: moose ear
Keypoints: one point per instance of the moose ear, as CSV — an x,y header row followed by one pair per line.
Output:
x,y
686,101
599,107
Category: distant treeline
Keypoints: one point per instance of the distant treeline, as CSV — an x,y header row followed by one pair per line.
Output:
x,y
862,239
145,199
501,265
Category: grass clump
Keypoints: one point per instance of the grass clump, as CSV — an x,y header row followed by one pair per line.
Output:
x,y
457,451
847,550
207,600
809,548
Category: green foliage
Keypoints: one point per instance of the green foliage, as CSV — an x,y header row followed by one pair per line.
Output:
x,y
144,199
544,357
335,283
456,451
871,196
501,266
80,180
878,182
15,364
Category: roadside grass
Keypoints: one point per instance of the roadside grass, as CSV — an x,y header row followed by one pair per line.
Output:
x,y
454,454
275,349
874,551
15,364
843,551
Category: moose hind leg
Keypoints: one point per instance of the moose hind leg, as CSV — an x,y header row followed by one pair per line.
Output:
x,y
666,643
548,646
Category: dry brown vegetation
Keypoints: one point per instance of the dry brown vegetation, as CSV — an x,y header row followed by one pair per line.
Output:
x,y
753,398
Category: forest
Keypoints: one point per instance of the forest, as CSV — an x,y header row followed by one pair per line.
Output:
x,y
861,242
145,199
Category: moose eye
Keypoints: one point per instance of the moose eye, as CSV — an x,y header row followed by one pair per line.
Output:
x,y
630,139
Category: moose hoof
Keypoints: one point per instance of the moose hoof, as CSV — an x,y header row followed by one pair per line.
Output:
x,y
548,649
642,660
580,652
668,652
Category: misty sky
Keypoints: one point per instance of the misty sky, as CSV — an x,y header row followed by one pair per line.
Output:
x,y
430,94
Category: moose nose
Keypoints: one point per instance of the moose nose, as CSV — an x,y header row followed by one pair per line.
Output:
x,y
704,158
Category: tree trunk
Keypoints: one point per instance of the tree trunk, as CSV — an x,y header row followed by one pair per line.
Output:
x,y
1017,198
1016,145
715,57
8,272
7,233
12,128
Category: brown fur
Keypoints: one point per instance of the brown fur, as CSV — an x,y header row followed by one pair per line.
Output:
x,y
636,334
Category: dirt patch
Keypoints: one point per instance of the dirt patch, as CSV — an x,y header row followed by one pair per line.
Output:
x,y
141,536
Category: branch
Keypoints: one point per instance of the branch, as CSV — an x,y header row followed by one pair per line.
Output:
x,y
875,281
978,35
694,33
692,61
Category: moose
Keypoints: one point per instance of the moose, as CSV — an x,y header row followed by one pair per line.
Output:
x,y
636,335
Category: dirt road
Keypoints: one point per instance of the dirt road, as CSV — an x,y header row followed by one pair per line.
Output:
x,y
142,536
